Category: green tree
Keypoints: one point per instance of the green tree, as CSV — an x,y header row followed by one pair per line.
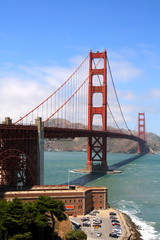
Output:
x,y
23,220
47,204
24,236
3,217
76,235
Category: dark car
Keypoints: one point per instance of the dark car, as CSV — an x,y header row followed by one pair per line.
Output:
x,y
114,220
85,219
114,235
112,213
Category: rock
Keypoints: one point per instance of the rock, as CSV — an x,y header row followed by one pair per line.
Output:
x,y
133,228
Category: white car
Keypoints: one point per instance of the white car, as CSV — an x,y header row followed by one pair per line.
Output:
x,y
99,234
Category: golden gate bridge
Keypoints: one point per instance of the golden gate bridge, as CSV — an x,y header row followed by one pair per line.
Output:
x,y
81,100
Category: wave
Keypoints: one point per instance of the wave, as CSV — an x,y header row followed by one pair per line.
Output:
x,y
147,229
74,171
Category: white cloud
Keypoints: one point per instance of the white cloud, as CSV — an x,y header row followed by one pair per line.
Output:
x,y
155,93
124,71
18,96
24,87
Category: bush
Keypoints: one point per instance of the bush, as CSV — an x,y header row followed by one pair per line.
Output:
x,y
76,235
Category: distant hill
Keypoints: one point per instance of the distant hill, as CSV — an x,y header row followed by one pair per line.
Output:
x,y
113,144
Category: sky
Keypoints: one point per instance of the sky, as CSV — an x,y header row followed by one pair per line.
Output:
x,y
43,41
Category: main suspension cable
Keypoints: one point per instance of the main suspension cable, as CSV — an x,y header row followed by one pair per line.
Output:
x,y
117,97
21,118
72,94
107,102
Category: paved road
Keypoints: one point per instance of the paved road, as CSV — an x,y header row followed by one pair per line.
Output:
x,y
105,229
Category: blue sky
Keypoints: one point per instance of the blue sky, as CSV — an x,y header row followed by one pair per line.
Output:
x,y
46,39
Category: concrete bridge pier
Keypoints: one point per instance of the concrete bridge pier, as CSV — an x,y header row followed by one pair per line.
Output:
x,y
143,148
40,159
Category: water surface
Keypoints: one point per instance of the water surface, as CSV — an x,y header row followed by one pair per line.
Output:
x,y
135,191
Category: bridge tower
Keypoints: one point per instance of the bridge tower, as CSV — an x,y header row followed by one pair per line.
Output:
x,y
97,149
21,154
141,132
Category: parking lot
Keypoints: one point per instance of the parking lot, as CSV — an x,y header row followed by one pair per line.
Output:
x,y
100,230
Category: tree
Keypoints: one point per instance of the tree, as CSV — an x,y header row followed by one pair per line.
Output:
x,y
23,220
4,215
47,204
24,236
76,235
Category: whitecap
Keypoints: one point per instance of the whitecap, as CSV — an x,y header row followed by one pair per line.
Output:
x,y
146,229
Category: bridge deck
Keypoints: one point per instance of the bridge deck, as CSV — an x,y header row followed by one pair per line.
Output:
x,y
54,132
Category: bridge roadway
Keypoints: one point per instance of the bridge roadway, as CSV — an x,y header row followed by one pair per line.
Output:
x,y
52,132
15,131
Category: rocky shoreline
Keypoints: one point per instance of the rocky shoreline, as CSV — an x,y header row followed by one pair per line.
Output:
x,y
133,229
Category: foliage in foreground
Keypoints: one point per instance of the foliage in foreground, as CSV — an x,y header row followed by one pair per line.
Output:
x,y
29,220
76,235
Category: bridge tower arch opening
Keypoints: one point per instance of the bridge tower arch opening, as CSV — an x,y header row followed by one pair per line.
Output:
x,y
16,167
97,149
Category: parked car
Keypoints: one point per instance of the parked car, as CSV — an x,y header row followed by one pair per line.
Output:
x,y
97,220
96,211
115,224
119,234
86,224
99,234
96,225
114,220
112,213
85,219
116,230
114,235
92,213
112,217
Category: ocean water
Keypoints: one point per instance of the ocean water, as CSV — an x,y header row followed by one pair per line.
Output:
x,y
136,191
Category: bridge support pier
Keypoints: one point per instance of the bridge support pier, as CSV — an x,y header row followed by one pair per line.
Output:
x,y
40,160
19,154
7,121
97,155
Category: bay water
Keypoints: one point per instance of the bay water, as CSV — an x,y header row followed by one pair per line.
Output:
x,y
136,191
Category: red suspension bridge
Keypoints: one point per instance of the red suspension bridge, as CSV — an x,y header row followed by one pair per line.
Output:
x,y
73,110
